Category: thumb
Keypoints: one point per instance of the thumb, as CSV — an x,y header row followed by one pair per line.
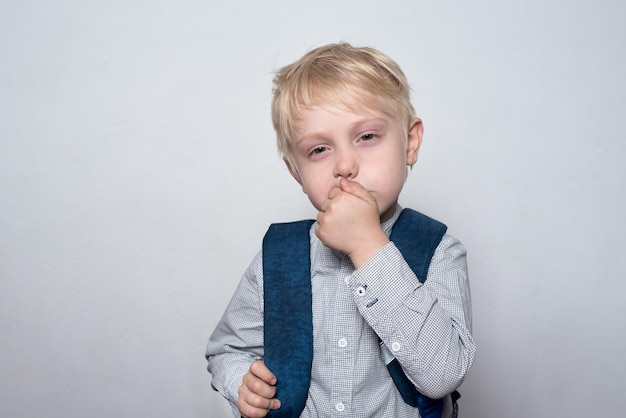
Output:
x,y
356,189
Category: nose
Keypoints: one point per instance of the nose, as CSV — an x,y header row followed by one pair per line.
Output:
x,y
346,164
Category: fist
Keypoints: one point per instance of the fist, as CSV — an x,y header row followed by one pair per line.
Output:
x,y
257,391
349,222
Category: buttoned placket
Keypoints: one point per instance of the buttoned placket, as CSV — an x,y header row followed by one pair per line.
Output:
x,y
344,336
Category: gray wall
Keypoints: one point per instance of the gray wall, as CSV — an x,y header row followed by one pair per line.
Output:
x,y
138,173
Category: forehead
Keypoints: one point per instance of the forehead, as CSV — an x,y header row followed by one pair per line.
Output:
x,y
355,98
363,106
352,110
325,121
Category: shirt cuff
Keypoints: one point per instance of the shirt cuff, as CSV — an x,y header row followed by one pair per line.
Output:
x,y
386,283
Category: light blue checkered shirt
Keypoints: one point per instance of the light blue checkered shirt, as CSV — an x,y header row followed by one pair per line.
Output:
x,y
426,327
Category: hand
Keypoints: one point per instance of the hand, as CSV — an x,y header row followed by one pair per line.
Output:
x,y
257,391
349,222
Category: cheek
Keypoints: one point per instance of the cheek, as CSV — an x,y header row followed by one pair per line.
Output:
x,y
391,170
390,180
316,192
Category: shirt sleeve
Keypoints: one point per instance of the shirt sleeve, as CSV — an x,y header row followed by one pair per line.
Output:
x,y
237,340
427,327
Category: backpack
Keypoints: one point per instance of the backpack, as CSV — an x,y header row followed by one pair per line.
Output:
x,y
288,314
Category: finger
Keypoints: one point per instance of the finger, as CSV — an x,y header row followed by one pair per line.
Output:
x,y
254,404
257,405
249,411
356,189
332,193
257,386
260,370
257,401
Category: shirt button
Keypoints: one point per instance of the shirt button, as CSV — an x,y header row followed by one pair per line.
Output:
x,y
347,279
342,342
361,290
395,346
340,407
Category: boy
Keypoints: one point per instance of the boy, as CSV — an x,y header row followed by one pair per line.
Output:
x,y
347,132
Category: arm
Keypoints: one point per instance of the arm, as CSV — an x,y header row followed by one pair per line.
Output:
x,y
235,347
427,327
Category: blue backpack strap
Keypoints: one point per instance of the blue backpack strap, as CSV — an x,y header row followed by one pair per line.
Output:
x,y
416,236
288,318
288,327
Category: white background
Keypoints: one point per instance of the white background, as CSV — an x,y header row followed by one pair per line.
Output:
x,y
138,173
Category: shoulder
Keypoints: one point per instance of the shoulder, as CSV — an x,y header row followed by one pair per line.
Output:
x,y
253,276
450,253
286,238
286,230
420,219
450,243
447,242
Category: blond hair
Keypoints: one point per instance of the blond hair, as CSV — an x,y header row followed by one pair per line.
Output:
x,y
338,74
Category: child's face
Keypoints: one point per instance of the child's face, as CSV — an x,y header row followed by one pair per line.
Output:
x,y
366,146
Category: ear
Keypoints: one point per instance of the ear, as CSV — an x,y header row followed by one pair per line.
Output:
x,y
293,171
414,140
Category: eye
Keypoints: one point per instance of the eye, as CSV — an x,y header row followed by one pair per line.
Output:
x,y
368,137
318,150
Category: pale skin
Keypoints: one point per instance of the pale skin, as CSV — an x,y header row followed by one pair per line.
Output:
x,y
352,166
